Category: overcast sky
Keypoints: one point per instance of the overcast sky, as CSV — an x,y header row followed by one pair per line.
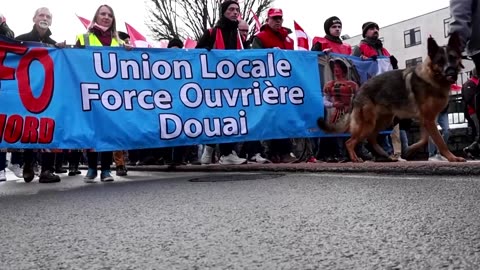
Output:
x,y
353,14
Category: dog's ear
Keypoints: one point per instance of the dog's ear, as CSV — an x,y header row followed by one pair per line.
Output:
x,y
454,43
432,47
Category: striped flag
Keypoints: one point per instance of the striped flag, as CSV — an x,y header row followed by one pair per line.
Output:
x,y
257,21
302,37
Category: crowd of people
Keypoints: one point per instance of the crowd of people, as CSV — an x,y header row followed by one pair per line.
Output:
x,y
231,33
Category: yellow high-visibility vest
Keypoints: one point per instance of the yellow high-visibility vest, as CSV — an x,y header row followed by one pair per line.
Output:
x,y
92,40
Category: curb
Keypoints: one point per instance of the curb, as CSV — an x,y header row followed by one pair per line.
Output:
x,y
397,168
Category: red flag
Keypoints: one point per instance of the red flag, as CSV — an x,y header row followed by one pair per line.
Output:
x,y
136,39
84,21
190,43
302,38
455,87
257,21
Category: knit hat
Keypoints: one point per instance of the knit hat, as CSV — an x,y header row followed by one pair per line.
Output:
x,y
123,35
175,42
224,6
367,26
329,22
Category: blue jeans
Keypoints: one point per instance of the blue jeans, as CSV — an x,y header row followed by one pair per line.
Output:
x,y
443,122
404,140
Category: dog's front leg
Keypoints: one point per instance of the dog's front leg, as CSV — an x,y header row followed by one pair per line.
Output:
x,y
442,147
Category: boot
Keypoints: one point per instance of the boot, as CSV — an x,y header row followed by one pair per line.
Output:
x,y
48,177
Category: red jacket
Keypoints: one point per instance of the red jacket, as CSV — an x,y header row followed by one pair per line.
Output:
x,y
369,51
271,39
335,47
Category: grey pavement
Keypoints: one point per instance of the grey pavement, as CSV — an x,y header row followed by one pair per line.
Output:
x,y
232,220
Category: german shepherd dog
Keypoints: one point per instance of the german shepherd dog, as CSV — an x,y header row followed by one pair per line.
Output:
x,y
420,92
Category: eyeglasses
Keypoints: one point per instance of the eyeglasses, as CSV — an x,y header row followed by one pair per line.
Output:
x,y
106,14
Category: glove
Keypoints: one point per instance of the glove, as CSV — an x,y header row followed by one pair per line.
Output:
x,y
394,62
6,31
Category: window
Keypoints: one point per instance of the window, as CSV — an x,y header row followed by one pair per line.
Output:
x,y
412,37
446,26
413,62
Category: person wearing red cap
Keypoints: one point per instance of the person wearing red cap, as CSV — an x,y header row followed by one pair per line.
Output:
x,y
332,42
273,34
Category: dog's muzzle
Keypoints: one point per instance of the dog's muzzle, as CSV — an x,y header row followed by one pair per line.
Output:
x,y
451,74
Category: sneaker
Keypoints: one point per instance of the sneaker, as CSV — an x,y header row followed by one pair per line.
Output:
x,y
398,157
60,170
207,155
288,158
437,158
48,177
105,176
312,159
72,171
36,169
121,170
232,159
28,173
259,159
16,169
90,176
3,176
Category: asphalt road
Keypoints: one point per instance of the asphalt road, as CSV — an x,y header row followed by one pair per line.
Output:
x,y
292,221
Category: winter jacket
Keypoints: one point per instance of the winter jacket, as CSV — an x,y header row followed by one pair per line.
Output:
x,y
466,22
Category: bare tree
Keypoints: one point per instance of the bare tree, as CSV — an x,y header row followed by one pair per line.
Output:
x,y
190,18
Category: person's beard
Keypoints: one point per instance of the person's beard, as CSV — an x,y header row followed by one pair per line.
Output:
x,y
43,25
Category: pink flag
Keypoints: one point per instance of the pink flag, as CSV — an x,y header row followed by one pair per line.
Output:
x,y
84,21
190,43
302,38
137,39
257,21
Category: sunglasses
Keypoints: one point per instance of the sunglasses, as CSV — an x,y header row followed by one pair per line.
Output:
x,y
277,18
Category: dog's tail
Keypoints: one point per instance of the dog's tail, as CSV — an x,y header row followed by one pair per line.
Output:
x,y
340,126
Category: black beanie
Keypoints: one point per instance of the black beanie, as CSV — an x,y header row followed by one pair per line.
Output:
x,y
123,35
367,26
329,22
175,42
225,6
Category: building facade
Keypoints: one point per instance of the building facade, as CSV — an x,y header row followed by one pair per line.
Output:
x,y
407,40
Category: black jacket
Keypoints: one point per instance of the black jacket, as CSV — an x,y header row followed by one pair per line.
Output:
x,y
6,31
35,37
229,33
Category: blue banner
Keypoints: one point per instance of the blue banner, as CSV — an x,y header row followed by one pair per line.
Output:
x,y
106,98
